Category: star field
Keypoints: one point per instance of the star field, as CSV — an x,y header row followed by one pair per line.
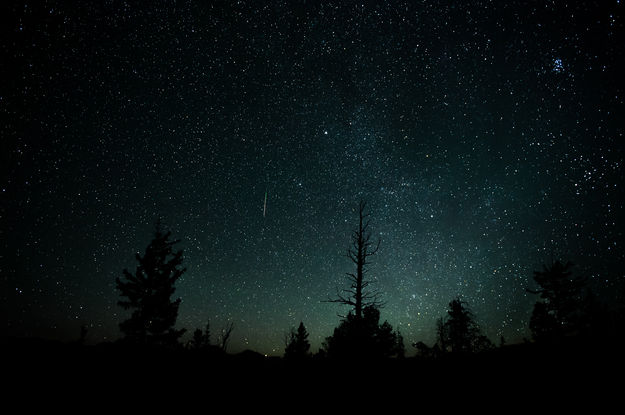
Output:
x,y
486,138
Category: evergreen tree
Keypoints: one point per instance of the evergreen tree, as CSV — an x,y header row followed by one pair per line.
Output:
x,y
365,337
298,345
543,323
460,333
148,293
559,312
442,335
400,348
201,339
460,326
423,350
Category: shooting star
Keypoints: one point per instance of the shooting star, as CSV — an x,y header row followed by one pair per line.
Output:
x,y
265,205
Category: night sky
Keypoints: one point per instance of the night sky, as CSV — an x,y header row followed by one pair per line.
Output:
x,y
487,138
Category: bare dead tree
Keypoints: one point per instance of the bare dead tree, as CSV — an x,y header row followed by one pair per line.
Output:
x,y
225,336
288,337
359,295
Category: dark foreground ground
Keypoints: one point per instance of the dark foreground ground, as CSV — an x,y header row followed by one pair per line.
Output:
x,y
516,375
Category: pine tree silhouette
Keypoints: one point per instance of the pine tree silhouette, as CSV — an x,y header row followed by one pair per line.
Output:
x,y
559,312
442,335
298,345
148,293
363,338
460,333
201,339
461,327
400,348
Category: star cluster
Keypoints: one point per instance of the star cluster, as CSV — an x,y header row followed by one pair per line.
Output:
x,y
486,137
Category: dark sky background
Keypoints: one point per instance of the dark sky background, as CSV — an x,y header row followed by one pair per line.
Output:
x,y
486,137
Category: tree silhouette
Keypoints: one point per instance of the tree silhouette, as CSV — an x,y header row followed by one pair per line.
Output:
x,y
358,338
148,294
459,333
423,350
442,334
543,323
460,326
358,295
400,348
298,345
559,312
359,335
225,336
201,339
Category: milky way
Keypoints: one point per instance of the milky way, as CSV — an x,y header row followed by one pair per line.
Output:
x,y
486,138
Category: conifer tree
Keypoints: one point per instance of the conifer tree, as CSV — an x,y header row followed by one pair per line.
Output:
x,y
460,325
298,345
147,293
201,339
400,348
363,338
459,333
559,312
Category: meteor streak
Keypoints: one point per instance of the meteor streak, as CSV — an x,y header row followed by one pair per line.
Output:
x,y
265,205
